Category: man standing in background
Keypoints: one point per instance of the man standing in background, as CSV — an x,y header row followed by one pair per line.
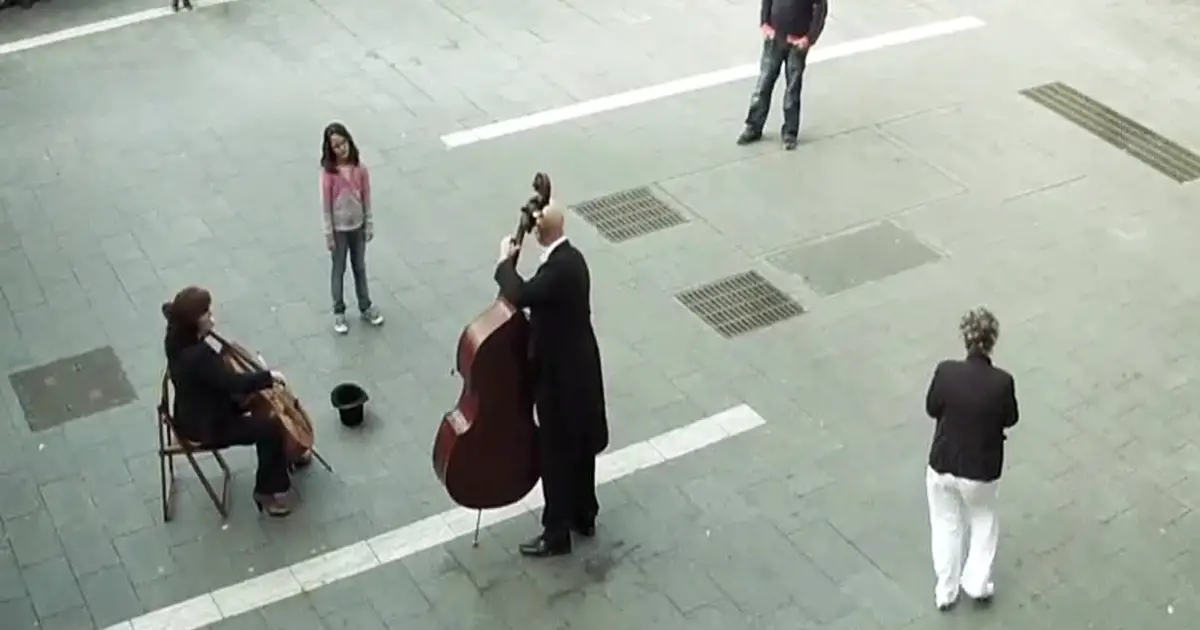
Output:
x,y
789,28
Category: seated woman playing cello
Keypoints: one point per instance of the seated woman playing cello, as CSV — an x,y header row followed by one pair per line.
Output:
x,y
207,391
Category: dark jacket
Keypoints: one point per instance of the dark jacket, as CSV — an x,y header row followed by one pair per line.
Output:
x,y
798,18
570,381
973,402
206,391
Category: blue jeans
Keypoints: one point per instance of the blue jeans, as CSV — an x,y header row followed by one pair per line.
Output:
x,y
778,55
352,245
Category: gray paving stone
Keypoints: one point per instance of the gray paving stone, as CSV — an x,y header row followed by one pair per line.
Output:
x,y
18,613
68,502
835,556
146,556
249,621
18,495
123,510
12,586
52,587
33,538
165,591
365,618
109,595
76,618
296,612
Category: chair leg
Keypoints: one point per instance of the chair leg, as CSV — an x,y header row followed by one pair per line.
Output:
x,y
212,493
166,472
226,479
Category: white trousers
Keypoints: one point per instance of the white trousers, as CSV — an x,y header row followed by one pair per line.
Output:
x,y
962,524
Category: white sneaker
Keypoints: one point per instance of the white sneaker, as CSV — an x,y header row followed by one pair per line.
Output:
x,y
373,317
340,325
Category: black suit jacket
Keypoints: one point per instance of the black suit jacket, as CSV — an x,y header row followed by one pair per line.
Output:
x,y
570,382
974,402
206,389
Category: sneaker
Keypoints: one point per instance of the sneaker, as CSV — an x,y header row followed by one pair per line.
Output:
x,y
373,317
789,143
340,326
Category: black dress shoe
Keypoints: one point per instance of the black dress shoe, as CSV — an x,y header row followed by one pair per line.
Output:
x,y
587,529
749,136
789,143
542,547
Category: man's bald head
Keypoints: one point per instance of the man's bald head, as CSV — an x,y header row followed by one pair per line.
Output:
x,y
551,224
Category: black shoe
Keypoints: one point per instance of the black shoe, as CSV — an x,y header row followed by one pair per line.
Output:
x,y
585,528
542,547
790,143
749,136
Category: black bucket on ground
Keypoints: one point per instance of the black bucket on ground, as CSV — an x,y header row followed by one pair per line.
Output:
x,y
350,401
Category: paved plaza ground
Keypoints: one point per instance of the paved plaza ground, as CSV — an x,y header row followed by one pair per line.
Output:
x,y
183,150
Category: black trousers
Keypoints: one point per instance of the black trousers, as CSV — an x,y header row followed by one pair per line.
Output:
x,y
267,436
568,481
778,55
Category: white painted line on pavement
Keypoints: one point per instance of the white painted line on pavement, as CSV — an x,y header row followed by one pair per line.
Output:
x,y
700,82
360,557
83,30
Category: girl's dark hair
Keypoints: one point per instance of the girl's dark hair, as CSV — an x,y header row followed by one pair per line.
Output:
x,y
329,160
183,315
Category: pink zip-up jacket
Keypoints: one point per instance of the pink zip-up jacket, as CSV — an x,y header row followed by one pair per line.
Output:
x,y
346,200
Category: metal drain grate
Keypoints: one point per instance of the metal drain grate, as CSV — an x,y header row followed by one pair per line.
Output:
x,y
1152,149
628,214
740,304
72,388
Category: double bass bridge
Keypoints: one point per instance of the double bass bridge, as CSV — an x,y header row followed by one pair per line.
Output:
x,y
457,421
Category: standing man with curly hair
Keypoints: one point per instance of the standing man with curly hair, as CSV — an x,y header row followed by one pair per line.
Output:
x,y
974,403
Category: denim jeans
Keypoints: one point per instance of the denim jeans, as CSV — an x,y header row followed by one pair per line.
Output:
x,y
352,245
777,54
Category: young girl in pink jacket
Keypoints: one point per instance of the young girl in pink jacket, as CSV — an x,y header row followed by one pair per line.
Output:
x,y
346,212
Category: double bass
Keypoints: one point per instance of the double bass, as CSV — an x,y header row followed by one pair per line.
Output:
x,y
485,451
277,402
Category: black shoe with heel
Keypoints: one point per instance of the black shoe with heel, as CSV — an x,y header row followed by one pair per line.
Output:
x,y
271,506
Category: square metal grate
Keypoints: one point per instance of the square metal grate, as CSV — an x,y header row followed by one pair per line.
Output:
x,y
1152,149
740,304
72,388
629,214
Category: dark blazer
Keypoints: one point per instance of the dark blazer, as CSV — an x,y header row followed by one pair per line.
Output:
x,y
974,402
570,380
205,392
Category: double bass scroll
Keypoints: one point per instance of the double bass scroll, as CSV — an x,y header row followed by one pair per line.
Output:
x,y
278,402
485,450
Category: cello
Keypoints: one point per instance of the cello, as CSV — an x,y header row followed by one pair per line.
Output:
x,y
485,450
277,402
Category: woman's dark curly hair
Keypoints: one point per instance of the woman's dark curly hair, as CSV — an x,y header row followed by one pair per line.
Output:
x,y
329,159
980,330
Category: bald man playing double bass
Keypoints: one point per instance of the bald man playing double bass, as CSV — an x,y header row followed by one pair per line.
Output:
x,y
569,384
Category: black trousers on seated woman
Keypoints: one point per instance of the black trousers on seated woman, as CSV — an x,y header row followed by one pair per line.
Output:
x,y
267,436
